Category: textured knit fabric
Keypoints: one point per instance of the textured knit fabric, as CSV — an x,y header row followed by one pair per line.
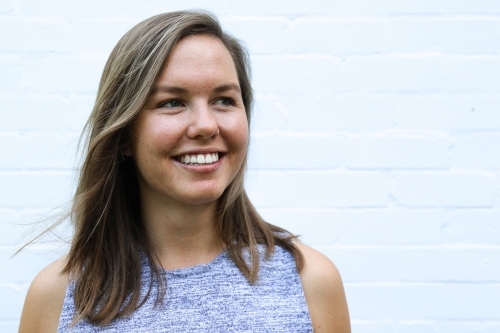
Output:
x,y
214,297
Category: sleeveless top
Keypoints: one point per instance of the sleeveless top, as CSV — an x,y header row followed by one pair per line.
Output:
x,y
213,297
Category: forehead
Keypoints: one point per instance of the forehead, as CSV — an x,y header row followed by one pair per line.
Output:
x,y
199,56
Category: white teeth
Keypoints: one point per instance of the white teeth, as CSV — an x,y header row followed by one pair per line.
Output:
x,y
199,158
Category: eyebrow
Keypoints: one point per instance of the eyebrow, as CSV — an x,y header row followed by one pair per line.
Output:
x,y
179,90
168,89
227,87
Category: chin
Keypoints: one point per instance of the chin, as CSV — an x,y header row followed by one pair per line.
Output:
x,y
203,198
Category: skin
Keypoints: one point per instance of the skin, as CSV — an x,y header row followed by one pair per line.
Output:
x,y
44,300
196,107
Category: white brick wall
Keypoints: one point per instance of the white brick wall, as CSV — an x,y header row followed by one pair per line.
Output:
x,y
376,137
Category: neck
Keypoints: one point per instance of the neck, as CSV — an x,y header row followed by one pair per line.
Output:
x,y
182,235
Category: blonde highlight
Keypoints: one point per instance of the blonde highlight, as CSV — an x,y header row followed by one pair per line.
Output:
x,y
104,259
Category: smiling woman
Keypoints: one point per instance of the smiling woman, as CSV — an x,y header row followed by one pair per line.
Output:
x,y
166,239
196,110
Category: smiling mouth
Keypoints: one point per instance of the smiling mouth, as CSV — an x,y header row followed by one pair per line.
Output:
x,y
198,159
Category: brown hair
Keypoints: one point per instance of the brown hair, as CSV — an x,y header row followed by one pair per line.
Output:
x,y
104,258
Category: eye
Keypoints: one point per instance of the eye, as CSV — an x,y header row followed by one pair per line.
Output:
x,y
225,101
173,103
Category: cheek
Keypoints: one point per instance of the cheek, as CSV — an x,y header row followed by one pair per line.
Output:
x,y
244,130
244,138
156,136
237,129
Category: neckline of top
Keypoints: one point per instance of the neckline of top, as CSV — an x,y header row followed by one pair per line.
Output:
x,y
199,268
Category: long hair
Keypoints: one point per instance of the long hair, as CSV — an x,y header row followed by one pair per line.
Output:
x,y
104,258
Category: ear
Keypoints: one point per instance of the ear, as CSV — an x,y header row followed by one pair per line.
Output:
x,y
127,143
127,152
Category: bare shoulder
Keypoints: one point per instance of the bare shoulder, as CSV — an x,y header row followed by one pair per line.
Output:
x,y
44,300
324,292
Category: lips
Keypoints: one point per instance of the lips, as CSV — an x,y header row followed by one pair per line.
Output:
x,y
198,159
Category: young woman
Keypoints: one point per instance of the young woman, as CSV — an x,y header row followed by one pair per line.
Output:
x,y
166,239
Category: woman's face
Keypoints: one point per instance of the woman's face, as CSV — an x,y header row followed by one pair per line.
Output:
x,y
191,137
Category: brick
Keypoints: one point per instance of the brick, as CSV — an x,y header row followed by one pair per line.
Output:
x,y
447,112
99,35
251,32
317,190
319,75
55,34
365,226
423,302
290,152
389,227
38,151
358,8
458,326
33,222
477,151
382,87
463,35
269,113
12,302
429,7
38,113
30,35
50,151
397,152
489,327
323,113
11,227
35,189
335,112
363,326
419,73
10,147
11,75
369,8
418,326
471,227
62,75
435,189
15,270
112,8
416,264
312,75
294,8
342,37
312,226
9,326
6,7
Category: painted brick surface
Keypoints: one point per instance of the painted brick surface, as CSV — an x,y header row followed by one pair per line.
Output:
x,y
376,137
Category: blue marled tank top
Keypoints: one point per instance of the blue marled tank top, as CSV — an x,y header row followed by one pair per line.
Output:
x,y
214,297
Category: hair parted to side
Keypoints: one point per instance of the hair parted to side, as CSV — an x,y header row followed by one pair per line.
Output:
x,y
104,258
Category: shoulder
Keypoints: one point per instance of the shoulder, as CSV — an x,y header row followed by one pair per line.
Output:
x,y
44,299
324,292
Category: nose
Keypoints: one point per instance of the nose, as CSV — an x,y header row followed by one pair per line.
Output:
x,y
203,124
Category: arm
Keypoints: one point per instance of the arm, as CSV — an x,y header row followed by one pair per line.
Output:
x,y
324,293
44,300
